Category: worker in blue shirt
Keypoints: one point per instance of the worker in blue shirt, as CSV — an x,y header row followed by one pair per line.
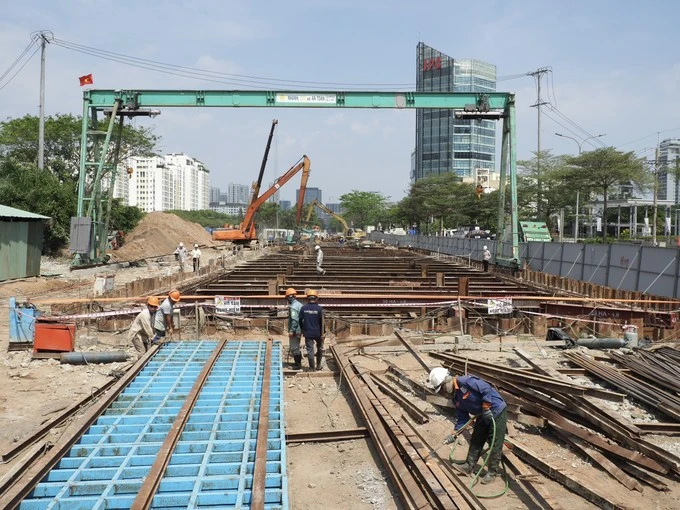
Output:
x,y
474,397
311,322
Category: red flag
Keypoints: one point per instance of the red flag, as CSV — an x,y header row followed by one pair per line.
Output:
x,y
86,80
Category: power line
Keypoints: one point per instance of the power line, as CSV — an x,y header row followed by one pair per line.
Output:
x,y
18,59
19,70
586,134
198,73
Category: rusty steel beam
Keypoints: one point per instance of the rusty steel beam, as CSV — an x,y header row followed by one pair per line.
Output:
x,y
260,468
152,481
595,456
415,413
326,436
662,429
410,493
414,351
531,486
433,479
570,481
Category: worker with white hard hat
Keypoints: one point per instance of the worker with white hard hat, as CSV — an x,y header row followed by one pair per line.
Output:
x,y
196,257
319,260
486,257
475,397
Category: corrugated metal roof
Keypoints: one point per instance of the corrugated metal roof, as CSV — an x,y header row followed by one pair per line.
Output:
x,y
11,212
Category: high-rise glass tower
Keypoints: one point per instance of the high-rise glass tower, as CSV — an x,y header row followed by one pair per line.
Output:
x,y
444,143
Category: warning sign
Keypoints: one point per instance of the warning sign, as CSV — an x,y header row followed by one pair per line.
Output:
x,y
500,306
227,304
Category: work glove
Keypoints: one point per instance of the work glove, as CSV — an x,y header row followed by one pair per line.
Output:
x,y
451,438
487,417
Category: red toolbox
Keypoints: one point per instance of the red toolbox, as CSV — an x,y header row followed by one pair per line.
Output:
x,y
54,337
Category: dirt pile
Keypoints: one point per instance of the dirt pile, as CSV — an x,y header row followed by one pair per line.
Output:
x,y
159,234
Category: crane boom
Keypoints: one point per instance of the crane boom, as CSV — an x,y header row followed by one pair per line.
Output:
x,y
258,185
246,231
301,197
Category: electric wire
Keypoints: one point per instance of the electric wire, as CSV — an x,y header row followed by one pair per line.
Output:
x,y
586,134
215,76
20,68
18,59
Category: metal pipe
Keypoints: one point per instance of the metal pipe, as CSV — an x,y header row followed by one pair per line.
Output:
x,y
85,358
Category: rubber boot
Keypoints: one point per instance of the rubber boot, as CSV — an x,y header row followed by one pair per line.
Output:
x,y
319,360
489,477
298,362
311,363
470,462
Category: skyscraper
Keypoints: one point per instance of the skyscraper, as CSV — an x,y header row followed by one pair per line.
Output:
x,y
444,143
669,162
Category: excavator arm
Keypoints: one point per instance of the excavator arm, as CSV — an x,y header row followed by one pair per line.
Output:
x,y
301,195
249,217
325,209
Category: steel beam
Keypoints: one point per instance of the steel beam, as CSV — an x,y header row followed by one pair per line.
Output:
x,y
134,99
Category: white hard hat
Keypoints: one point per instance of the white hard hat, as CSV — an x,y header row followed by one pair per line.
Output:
x,y
485,248
437,377
181,245
195,246
317,247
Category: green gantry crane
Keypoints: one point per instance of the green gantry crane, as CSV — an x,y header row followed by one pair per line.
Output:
x,y
90,227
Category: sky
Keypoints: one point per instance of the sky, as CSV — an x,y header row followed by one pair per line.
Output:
x,y
615,70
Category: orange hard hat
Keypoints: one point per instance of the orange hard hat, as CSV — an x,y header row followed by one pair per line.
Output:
x,y
311,293
153,301
290,291
174,295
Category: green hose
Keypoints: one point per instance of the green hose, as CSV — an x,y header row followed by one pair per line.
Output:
x,y
484,463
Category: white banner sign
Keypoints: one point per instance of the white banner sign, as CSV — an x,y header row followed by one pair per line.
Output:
x,y
500,305
599,224
306,98
227,304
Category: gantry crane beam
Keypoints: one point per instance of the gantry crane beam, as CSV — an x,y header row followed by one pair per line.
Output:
x,y
478,105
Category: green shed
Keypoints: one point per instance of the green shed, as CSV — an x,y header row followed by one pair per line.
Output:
x,y
21,239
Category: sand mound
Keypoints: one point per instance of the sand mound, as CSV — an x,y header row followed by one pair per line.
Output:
x,y
159,234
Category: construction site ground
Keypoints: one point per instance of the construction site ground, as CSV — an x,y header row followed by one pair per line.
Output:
x,y
332,475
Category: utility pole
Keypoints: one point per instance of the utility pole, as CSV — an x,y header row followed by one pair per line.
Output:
x,y
538,74
656,190
41,120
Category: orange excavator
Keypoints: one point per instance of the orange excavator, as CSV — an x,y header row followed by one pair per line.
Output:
x,y
246,233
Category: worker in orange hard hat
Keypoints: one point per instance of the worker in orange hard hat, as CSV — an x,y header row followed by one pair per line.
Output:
x,y
294,331
163,324
311,322
141,329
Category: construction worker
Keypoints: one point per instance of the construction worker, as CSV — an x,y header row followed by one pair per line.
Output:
x,y
162,324
141,329
311,321
475,397
196,257
486,257
180,256
294,330
319,260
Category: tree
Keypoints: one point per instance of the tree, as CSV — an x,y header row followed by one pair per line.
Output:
x,y
19,140
124,217
556,192
24,186
601,170
363,207
53,191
